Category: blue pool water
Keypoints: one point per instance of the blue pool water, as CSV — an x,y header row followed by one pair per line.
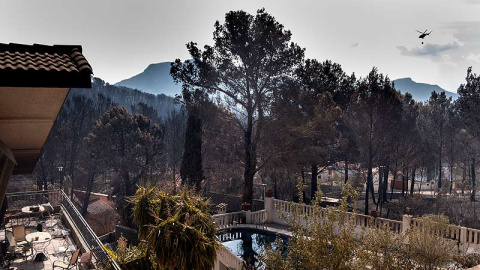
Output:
x,y
248,244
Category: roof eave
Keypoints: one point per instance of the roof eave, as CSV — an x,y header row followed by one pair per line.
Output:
x,y
40,78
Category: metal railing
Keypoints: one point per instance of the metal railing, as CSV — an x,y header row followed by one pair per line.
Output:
x,y
57,197
17,200
87,234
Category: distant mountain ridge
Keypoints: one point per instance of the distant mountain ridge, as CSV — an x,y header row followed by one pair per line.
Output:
x,y
420,91
155,79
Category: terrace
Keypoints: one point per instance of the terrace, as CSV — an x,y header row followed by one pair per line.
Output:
x,y
60,224
273,219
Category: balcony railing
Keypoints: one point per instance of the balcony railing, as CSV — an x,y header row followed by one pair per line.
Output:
x,y
18,200
58,198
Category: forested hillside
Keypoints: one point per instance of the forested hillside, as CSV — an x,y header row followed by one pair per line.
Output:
x,y
128,97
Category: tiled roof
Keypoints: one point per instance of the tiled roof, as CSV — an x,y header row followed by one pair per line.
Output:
x,y
42,66
98,207
41,57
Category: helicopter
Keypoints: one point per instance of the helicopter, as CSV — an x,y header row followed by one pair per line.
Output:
x,y
424,34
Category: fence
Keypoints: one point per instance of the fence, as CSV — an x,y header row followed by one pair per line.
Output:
x,y
87,234
17,200
223,221
468,239
227,258
257,218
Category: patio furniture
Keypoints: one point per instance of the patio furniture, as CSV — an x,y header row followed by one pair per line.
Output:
x,y
40,242
19,234
19,218
51,224
14,248
48,208
67,265
34,210
66,249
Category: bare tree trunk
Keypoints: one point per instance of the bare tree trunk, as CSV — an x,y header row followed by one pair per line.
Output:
x,y
385,182
393,181
407,176
346,171
275,194
250,160
421,177
451,177
464,176
314,186
412,185
473,180
369,187
380,184
370,163
380,188
469,172
86,200
304,199
440,166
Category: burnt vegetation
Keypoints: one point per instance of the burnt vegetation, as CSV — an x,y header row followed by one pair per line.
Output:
x,y
254,111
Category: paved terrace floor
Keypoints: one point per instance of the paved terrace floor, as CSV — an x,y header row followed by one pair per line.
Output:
x,y
58,240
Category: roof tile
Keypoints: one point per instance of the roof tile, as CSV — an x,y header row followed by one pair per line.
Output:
x,y
57,58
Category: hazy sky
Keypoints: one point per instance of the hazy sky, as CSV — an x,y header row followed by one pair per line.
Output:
x,y
121,38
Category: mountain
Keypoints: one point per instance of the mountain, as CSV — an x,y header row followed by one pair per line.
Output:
x,y
128,97
155,79
420,91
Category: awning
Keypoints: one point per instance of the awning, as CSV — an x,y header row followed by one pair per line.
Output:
x,y
7,163
5,151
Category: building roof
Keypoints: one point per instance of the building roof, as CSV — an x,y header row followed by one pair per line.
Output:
x,y
36,65
98,207
34,83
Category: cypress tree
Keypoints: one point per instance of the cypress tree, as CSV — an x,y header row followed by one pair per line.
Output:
x,y
191,169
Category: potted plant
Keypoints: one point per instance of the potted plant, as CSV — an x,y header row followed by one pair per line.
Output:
x,y
245,206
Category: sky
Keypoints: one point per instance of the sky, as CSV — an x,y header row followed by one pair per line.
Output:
x,y
121,38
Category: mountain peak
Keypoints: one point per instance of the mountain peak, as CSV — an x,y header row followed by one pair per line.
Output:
x,y
405,79
155,79
420,91
157,66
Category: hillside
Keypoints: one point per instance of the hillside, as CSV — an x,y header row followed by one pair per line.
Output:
x,y
127,97
155,79
420,91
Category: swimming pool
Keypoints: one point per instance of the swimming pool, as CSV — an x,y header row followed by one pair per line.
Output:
x,y
248,244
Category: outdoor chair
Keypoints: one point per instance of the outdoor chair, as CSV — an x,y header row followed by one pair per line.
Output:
x,y
67,265
51,225
19,219
65,248
14,248
19,234
48,209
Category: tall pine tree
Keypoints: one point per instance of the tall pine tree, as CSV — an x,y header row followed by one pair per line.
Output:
x,y
191,169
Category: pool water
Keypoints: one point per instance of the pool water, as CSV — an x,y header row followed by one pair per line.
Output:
x,y
249,244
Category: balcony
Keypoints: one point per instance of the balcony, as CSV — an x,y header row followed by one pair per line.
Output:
x,y
65,231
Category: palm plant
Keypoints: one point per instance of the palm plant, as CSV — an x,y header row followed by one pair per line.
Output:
x,y
177,229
